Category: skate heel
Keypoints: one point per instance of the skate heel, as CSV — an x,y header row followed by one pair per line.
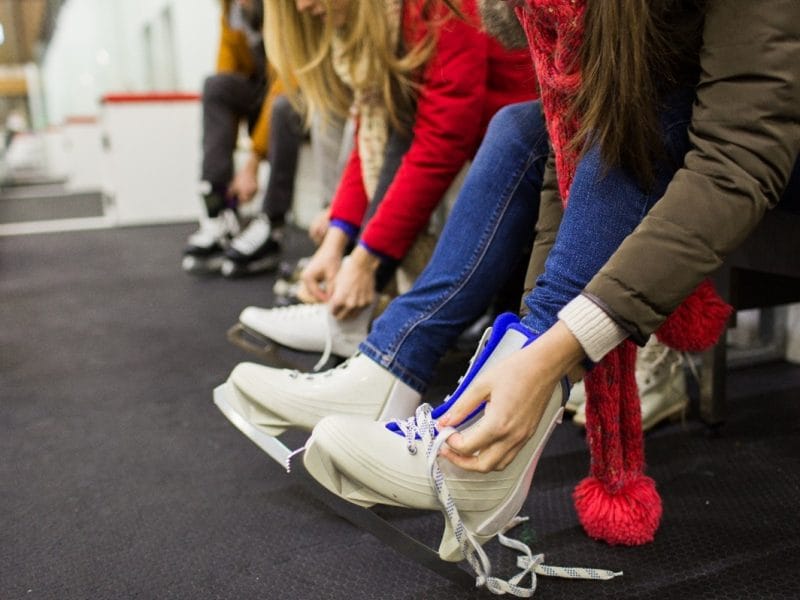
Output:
x,y
450,549
261,427
321,468
255,413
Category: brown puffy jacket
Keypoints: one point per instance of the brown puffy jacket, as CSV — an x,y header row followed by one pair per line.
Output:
x,y
745,138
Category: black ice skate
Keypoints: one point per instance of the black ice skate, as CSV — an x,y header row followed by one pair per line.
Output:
x,y
255,250
205,248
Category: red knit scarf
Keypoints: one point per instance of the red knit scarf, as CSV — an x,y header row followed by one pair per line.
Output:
x,y
617,503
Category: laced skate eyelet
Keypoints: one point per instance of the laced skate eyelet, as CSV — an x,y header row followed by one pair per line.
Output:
x,y
411,450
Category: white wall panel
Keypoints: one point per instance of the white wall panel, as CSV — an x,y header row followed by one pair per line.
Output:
x,y
98,47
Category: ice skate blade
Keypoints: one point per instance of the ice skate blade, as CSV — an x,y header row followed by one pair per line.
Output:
x,y
375,525
254,343
276,449
359,516
268,351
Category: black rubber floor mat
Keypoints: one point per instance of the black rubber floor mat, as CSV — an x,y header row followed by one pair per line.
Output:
x,y
120,479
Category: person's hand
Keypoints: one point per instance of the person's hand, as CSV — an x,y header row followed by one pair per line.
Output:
x,y
318,276
304,295
319,226
516,391
245,183
354,286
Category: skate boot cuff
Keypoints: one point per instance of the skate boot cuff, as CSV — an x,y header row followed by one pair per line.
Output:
x,y
502,324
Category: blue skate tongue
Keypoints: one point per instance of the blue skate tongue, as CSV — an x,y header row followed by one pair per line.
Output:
x,y
502,323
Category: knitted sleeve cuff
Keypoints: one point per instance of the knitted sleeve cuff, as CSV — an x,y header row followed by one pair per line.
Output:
x,y
596,332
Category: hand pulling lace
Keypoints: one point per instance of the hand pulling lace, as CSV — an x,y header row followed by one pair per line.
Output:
x,y
422,427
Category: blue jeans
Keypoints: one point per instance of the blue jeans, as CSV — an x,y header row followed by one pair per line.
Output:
x,y
492,221
495,213
605,206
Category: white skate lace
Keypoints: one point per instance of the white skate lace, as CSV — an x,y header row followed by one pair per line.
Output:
x,y
422,426
253,236
328,348
326,351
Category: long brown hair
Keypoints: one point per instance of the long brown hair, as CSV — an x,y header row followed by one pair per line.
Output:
x,y
634,51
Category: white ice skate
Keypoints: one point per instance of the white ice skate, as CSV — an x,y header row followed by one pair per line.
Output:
x,y
395,463
661,383
303,327
263,401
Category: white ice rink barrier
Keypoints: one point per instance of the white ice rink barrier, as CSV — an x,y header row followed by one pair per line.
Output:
x,y
153,145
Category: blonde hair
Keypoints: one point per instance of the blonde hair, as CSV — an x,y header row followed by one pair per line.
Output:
x,y
299,46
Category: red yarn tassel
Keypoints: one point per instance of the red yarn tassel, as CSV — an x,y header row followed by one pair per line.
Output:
x,y
629,517
698,322
617,503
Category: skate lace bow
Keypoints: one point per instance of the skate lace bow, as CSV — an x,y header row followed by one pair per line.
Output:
x,y
422,428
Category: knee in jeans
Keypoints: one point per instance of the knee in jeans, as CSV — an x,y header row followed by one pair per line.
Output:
x,y
509,120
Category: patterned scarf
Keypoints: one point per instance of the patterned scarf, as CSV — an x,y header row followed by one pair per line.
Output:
x,y
555,34
368,107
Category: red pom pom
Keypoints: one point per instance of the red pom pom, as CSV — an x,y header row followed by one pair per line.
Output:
x,y
698,322
628,516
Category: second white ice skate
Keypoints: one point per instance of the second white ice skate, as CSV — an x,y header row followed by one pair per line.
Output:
x,y
303,327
